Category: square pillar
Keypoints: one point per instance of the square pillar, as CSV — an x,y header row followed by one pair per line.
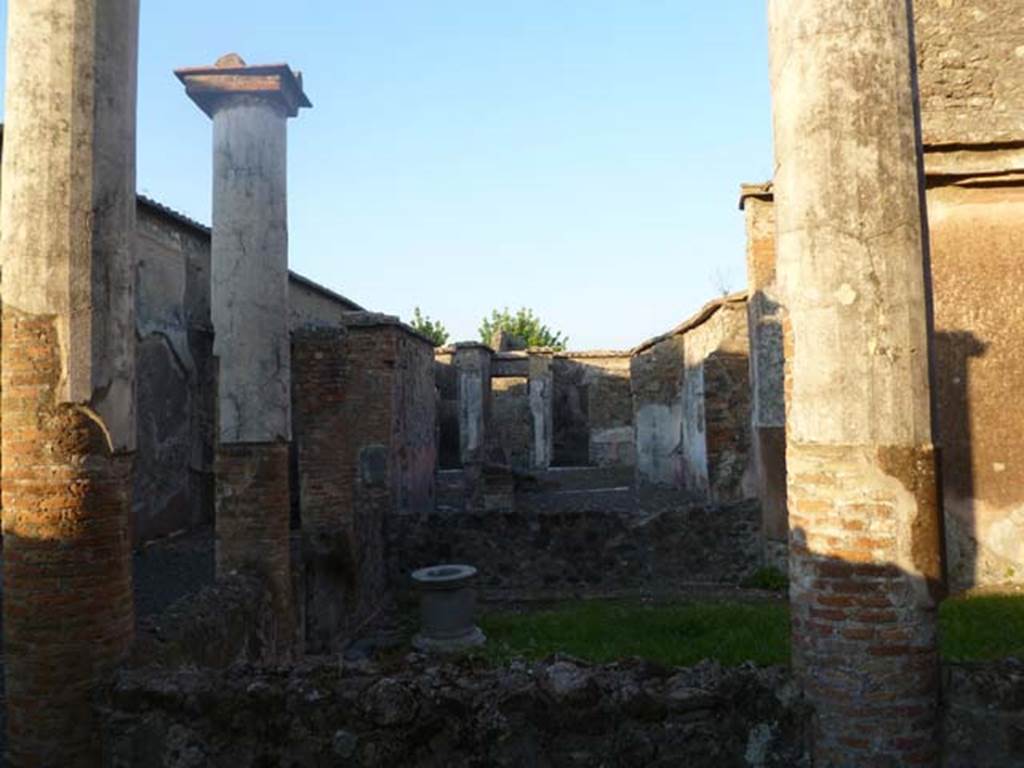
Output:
x,y
540,391
250,107
473,370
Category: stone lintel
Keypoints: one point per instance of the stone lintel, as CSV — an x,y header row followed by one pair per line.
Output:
x,y
211,87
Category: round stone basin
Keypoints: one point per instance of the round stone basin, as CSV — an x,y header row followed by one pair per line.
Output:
x,y
447,609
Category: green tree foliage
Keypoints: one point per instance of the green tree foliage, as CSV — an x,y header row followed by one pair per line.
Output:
x,y
432,329
524,326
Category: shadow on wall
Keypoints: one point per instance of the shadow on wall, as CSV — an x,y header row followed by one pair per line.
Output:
x,y
953,352
727,427
570,417
592,413
446,379
865,651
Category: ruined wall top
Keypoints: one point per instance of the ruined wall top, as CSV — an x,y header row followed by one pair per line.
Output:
x,y
971,69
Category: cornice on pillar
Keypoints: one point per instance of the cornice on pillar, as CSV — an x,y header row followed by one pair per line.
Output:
x,y
211,87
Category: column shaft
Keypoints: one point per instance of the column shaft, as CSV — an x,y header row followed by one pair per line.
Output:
x,y
864,544
67,215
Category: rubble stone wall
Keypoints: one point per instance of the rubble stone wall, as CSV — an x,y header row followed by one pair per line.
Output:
x,y
592,547
559,712
555,713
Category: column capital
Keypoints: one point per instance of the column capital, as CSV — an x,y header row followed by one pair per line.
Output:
x,y
211,87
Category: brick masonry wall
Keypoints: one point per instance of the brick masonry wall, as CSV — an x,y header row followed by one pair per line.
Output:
x,y
68,617
252,523
342,393
864,576
365,428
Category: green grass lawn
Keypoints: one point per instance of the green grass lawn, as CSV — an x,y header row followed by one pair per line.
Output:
x,y
675,634
678,634
982,627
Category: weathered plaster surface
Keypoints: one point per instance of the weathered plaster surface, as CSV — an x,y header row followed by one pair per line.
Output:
x,y
971,62
68,435
977,238
541,399
716,406
592,407
250,271
176,385
68,210
473,365
312,306
656,376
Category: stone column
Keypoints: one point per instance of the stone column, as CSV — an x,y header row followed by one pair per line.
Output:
x,y
472,363
864,528
250,107
68,360
540,390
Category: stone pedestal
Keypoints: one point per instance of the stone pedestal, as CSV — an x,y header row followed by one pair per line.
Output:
x,y
864,527
68,360
250,107
447,609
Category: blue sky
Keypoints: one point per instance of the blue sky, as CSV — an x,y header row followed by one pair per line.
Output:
x,y
580,157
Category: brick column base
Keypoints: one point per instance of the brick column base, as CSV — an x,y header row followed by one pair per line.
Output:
x,y
864,575
67,602
252,522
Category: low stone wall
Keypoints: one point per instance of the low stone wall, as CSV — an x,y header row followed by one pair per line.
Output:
x,y
984,714
555,713
587,542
